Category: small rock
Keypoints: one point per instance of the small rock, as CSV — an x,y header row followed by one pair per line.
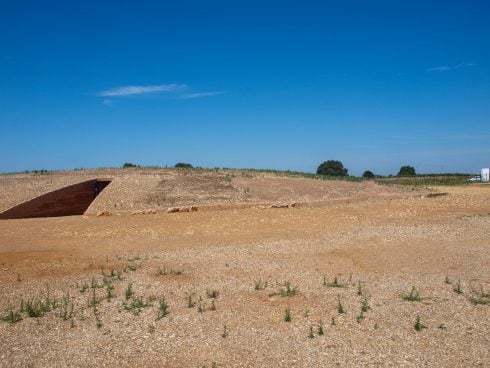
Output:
x,y
103,213
182,209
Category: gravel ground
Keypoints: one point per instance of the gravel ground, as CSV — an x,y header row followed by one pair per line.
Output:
x,y
140,189
379,248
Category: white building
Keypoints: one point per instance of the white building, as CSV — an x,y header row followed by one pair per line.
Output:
x,y
485,174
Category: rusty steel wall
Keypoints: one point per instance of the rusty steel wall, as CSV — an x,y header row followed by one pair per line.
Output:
x,y
67,201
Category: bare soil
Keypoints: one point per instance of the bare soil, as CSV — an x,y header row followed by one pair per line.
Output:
x,y
140,189
383,239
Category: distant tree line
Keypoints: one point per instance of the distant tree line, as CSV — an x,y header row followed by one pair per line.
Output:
x,y
336,168
128,165
333,168
182,165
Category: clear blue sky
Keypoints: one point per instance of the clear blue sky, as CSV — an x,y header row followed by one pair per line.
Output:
x,y
264,84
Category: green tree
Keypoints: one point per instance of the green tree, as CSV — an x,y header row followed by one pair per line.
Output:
x,y
406,171
332,168
182,165
128,165
368,174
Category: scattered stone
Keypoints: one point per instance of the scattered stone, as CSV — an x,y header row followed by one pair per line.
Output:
x,y
144,212
104,213
434,195
182,209
283,205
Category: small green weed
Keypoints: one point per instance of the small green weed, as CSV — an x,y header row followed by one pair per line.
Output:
x,y
128,293
212,293
311,335
458,288
419,326
67,309
98,322
225,332
365,304
360,317
137,305
335,283
479,297
168,271
190,303
130,267
109,291
113,274
260,285
201,307
84,287
162,309
359,288
94,284
340,307
286,290
414,296
93,301
12,316
39,307
320,330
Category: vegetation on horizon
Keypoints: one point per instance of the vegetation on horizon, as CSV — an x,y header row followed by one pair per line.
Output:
x,y
368,174
426,180
407,171
182,165
128,165
332,168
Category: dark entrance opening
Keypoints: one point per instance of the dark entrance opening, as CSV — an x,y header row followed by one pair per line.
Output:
x,y
68,201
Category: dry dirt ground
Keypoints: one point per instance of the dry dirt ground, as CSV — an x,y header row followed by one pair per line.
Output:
x,y
87,291
140,189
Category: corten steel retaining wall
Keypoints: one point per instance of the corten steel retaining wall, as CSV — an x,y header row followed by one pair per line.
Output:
x,y
67,201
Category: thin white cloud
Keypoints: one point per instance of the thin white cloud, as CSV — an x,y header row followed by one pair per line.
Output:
x,y
187,96
139,90
445,68
107,102
440,69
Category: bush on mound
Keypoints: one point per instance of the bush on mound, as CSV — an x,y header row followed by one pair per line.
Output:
x,y
332,168
368,174
127,165
182,165
407,171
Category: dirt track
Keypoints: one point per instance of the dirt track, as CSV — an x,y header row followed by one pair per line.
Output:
x,y
387,245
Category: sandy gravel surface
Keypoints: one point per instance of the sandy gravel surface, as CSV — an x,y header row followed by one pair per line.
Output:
x,y
385,245
141,189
